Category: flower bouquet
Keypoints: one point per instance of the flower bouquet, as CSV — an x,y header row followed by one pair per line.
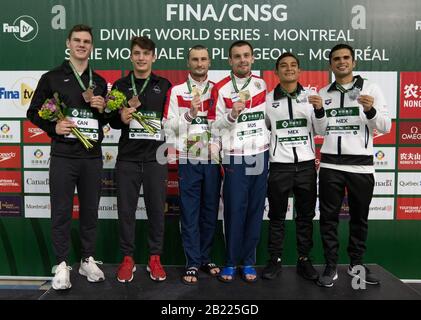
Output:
x,y
116,99
200,144
51,110
197,144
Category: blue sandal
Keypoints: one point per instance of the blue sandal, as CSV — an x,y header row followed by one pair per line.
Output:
x,y
227,272
249,271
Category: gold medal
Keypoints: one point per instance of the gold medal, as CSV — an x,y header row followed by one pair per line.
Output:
x,y
88,94
134,102
244,95
196,92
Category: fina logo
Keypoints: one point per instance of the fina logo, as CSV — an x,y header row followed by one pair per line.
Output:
x,y
21,92
24,28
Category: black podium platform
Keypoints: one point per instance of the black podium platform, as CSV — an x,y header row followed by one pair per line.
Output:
x,y
288,286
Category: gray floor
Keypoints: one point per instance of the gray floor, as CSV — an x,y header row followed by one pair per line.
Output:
x,y
288,286
415,286
20,294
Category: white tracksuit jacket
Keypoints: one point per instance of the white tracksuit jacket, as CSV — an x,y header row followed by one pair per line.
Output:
x,y
348,136
293,127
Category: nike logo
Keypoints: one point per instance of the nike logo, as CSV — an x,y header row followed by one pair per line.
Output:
x,y
66,80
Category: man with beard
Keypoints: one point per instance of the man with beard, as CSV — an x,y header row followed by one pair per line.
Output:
x,y
239,115
354,108
185,122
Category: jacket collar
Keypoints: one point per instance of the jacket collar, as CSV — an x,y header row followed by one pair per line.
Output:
x,y
358,83
154,77
68,70
278,93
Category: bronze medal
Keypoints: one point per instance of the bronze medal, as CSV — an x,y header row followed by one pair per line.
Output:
x,y
88,94
134,101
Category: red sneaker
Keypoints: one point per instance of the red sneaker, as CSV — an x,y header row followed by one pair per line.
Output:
x,y
156,271
126,269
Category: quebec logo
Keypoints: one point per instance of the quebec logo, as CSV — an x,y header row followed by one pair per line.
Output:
x,y
24,28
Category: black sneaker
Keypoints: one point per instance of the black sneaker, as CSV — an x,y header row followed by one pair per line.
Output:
x,y
358,271
306,270
272,269
328,277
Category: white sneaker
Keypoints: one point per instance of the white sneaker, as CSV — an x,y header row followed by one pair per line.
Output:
x,y
61,280
89,269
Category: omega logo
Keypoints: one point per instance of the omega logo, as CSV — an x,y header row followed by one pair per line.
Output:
x,y
413,135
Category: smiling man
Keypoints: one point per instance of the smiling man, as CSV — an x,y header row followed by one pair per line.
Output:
x,y
294,115
136,159
239,115
185,120
82,91
354,108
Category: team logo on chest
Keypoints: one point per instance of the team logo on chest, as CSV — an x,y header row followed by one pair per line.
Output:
x,y
157,89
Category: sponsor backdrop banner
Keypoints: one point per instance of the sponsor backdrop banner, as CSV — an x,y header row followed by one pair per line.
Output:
x,y
387,39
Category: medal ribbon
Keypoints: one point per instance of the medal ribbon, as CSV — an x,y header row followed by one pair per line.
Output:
x,y
78,78
234,83
143,87
340,88
190,87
